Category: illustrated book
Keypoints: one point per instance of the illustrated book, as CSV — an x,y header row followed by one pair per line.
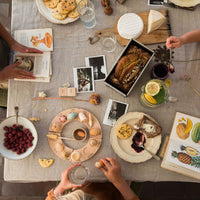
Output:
x,y
182,154
36,63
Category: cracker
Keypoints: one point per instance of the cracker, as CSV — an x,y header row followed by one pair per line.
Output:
x,y
52,3
62,8
70,4
124,131
73,13
58,15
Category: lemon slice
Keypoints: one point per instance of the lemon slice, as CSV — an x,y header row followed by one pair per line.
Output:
x,y
150,99
46,162
152,88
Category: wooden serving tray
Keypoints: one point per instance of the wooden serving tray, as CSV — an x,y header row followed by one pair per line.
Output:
x,y
157,36
88,150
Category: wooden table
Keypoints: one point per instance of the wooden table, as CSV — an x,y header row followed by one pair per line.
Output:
x,y
70,49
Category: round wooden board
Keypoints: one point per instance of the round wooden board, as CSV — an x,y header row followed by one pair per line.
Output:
x,y
88,150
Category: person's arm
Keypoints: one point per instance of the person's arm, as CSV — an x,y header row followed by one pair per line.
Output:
x,y
12,71
13,44
64,184
113,173
189,37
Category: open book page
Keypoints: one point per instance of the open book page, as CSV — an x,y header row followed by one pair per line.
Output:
x,y
41,39
183,151
41,65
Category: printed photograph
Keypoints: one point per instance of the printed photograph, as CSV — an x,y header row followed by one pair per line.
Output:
x,y
155,2
115,109
83,79
99,66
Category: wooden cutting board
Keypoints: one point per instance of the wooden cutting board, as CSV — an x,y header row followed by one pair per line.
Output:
x,y
157,36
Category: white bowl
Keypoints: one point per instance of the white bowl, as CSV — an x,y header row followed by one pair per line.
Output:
x,y
26,124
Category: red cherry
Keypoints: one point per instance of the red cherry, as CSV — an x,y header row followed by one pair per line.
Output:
x,y
14,126
20,127
5,128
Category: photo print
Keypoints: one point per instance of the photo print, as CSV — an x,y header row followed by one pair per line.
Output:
x,y
99,66
115,109
83,79
155,2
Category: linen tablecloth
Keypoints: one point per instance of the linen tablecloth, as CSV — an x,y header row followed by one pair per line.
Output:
x,y
71,46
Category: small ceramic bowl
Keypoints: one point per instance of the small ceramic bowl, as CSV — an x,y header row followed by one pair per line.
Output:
x,y
79,134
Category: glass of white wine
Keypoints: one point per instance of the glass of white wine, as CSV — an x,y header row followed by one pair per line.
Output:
x,y
78,174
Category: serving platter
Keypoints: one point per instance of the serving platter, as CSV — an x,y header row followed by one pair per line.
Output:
x,y
185,3
47,13
122,147
57,127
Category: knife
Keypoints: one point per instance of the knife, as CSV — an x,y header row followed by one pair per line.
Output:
x,y
171,5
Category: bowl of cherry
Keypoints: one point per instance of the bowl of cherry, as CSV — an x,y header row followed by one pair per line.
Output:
x,y
17,141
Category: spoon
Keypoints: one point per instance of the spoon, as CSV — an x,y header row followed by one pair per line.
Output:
x,y
154,156
16,113
171,66
55,137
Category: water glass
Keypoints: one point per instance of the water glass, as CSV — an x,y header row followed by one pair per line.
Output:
x,y
86,12
108,41
78,174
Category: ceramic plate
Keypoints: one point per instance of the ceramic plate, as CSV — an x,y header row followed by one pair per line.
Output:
x,y
123,147
185,3
26,124
47,13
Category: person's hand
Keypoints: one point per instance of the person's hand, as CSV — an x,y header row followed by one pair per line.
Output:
x,y
19,47
65,183
12,71
113,171
174,42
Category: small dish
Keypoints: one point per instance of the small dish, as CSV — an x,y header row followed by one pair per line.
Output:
x,y
79,134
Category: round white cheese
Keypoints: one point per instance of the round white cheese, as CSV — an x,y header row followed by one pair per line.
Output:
x,y
130,25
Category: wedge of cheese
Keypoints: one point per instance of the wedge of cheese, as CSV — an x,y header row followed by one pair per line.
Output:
x,y
155,20
46,162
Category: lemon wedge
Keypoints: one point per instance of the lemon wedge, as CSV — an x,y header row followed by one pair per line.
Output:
x,y
46,162
189,126
150,99
152,88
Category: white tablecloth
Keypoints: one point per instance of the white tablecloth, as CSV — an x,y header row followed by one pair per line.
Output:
x,y
70,49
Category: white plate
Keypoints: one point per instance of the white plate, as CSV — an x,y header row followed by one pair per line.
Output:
x,y
185,3
123,147
26,124
47,13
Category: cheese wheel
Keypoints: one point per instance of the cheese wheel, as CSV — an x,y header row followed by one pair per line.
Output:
x,y
130,25
155,20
